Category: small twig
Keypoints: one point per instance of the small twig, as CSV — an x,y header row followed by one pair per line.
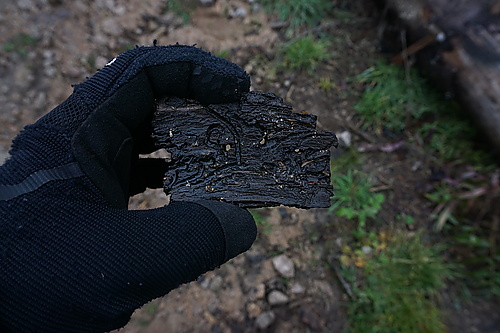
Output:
x,y
414,48
382,179
360,133
278,25
343,282
438,209
142,205
444,216
381,188
300,302
351,43
158,32
289,93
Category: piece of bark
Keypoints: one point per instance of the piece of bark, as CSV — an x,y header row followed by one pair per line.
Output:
x,y
254,153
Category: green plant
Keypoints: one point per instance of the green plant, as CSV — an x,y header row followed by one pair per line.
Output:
x,y
181,9
397,287
449,135
353,198
90,62
406,219
20,43
146,314
402,101
392,99
223,54
326,84
261,221
125,47
474,245
150,308
349,159
305,53
297,13
465,214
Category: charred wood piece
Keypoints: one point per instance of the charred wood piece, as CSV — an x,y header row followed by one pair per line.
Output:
x,y
255,153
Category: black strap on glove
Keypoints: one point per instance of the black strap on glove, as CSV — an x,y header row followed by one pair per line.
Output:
x,y
72,257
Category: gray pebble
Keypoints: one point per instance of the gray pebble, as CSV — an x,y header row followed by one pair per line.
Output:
x,y
216,283
265,319
284,266
276,297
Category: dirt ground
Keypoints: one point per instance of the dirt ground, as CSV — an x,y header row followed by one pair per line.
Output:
x,y
68,41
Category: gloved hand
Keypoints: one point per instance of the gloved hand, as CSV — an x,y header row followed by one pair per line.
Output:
x,y
72,257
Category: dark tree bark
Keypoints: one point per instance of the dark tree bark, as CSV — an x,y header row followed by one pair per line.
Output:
x,y
254,153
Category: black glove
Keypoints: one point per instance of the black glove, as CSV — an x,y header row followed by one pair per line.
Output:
x,y
72,257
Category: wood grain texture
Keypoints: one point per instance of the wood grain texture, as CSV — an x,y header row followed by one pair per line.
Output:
x,y
254,153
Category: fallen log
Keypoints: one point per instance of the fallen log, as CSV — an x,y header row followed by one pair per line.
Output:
x,y
457,44
255,153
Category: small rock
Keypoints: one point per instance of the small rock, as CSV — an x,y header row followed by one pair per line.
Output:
x,y
153,25
345,137
119,10
276,297
72,71
237,12
216,283
367,249
265,319
25,4
297,288
416,166
204,282
253,310
284,266
260,291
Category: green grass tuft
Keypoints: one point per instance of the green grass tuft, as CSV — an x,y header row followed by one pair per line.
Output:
x,y
20,44
181,9
392,100
353,198
465,212
404,102
262,223
398,288
305,53
297,13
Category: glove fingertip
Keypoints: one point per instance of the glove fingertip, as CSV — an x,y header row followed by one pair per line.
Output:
x,y
221,83
238,225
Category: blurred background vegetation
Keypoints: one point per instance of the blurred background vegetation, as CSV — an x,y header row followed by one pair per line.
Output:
x,y
394,270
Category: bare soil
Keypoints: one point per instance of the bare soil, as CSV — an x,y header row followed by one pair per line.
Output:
x,y
70,40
